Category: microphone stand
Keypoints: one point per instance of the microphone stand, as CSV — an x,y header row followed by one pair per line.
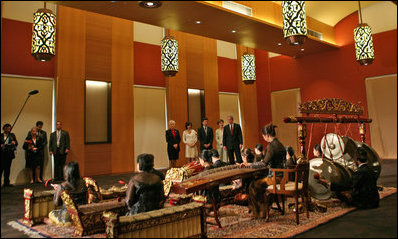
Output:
x,y
17,118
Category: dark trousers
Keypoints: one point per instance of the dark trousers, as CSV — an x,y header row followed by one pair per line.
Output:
x,y
235,150
6,167
59,162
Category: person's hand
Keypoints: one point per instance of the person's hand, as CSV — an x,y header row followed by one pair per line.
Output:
x,y
34,149
51,153
66,151
2,145
12,142
240,145
225,147
175,146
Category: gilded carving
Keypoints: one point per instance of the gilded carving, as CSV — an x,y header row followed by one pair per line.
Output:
x,y
330,106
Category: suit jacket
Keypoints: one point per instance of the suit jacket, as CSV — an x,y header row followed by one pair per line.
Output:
x,y
234,139
365,193
173,152
42,134
64,142
205,138
8,150
39,145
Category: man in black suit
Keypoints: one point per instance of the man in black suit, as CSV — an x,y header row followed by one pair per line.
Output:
x,y
9,144
59,147
364,192
215,157
173,139
205,135
233,140
43,135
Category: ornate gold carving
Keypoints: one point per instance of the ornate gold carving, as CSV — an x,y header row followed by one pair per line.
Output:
x,y
73,213
330,106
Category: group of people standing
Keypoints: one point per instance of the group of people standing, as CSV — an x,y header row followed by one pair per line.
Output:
x,y
35,149
229,140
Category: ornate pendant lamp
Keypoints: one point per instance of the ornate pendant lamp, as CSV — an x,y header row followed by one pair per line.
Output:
x,y
294,22
169,55
363,42
43,34
248,68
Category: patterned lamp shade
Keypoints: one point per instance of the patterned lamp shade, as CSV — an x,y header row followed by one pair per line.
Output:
x,y
248,68
294,22
43,34
169,56
364,44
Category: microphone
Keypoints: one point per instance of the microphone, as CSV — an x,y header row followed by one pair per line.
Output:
x,y
33,92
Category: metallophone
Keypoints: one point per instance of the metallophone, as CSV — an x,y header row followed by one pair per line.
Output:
x,y
214,177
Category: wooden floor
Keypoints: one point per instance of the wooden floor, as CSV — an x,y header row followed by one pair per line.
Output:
x,y
380,222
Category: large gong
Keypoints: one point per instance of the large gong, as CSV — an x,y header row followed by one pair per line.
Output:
x,y
350,153
332,146
332,172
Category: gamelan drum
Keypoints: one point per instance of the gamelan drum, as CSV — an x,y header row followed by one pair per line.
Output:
x,y
350,154
332,172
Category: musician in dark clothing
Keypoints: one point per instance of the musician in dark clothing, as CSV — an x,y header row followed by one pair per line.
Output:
x,y
205,136
77,189
173,139
145,189
215,158
363,193
205,159
275,157
233,140
258,153
9,144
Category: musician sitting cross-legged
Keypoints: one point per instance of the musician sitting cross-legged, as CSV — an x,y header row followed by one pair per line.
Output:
x,y
77,189
364,192
145,189
274,158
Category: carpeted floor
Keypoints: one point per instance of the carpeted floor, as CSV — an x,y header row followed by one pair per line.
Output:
x,y
380,222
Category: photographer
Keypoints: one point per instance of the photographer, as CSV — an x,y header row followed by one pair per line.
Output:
x,y
9,144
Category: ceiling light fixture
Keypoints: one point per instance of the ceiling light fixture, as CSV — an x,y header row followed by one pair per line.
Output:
x,y
294,22
150,4
233,31
169,55
43,34
364,50
248,68
279,44
198,22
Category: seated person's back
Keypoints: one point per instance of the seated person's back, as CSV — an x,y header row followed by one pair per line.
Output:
x,y
145,189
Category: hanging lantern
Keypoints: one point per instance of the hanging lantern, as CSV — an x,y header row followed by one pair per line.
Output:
x,y
43,34
169,56
294,22
363,42
248,68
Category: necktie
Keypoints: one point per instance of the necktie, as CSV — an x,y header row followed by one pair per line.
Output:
x,y
58,137
231,129
174,133
205,130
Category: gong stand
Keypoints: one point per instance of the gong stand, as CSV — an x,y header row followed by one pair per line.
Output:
x,y
333,107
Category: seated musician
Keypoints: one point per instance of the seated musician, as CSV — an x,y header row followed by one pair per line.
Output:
x,y
248,158
259,154
77,189
274,158
215,157
317,151
291,160
205,159
363,193
145,189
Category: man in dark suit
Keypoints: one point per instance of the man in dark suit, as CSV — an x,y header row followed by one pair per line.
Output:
x,y
43,135
233,140
173,139
9,144
205,135
364,192
59,147
215,157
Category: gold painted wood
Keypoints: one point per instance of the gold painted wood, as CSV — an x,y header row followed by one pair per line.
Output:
x,y
330,106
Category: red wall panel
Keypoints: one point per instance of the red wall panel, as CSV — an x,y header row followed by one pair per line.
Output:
x,y
16,58
227,76
147,66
